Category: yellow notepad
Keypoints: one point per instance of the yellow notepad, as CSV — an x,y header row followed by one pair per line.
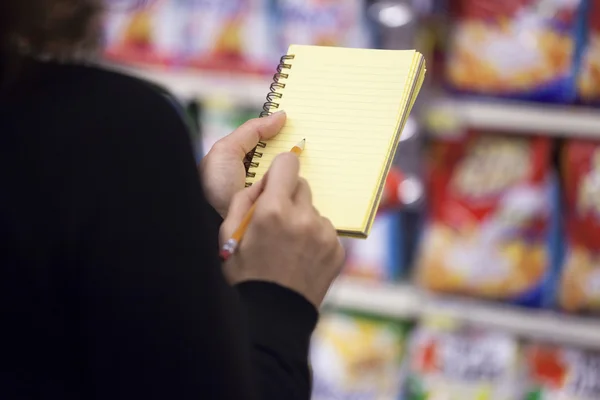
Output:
x,y
350,105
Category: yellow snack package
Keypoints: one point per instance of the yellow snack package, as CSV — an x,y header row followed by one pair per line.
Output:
x,y
357,356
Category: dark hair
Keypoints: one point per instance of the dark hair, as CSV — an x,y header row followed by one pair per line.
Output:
x,y
49,28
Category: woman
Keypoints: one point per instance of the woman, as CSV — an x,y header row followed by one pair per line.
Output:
x,y
110,284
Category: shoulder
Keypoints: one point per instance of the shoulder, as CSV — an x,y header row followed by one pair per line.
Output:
x,y
93,102
108,90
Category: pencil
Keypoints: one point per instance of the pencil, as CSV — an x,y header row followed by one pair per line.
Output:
x,y
232,243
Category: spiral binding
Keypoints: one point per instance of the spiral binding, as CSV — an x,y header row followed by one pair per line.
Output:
x,y
267,107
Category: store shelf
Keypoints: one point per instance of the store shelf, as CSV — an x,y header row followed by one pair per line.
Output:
x,y
238,88
517,117
405,301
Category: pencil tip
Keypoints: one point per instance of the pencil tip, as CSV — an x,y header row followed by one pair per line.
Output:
x,y
302,143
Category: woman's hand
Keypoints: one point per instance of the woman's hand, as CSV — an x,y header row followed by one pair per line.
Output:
x,y
222,170
287,242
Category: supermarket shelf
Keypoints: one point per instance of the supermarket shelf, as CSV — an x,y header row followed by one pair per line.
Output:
x,y
237,88
507,116
405,301
554,120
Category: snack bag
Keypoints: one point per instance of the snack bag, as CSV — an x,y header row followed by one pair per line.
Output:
x,y
557,373
339,23
452,362
378,257
589,77
148,34
356,356
580,282
492,211
524,49
230,35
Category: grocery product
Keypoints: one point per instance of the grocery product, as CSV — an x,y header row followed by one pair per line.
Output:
x,y
219,118
453,362
234,35
525,49
321,22
357,356
493,219
589,77
580,282
557,373
152,33
379,256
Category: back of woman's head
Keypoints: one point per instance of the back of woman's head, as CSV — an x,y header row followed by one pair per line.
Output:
x,y
58,29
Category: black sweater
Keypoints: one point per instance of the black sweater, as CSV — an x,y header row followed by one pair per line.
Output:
x,y
110,283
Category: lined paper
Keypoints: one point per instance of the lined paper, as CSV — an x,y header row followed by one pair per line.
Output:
x,y
350,105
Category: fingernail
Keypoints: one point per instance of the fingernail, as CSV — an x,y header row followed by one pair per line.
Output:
x,y
280,112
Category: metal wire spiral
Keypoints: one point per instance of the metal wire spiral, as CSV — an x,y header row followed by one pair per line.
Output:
x,y
268,107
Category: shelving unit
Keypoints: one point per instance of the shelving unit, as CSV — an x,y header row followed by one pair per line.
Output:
x,y
519,117
508,116
239,89
405,301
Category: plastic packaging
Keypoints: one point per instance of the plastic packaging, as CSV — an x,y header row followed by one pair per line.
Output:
x,y
580,282
357,357
153,34
492,227
523,49
556,373
234,35
379,256
340,23
589,77
453,362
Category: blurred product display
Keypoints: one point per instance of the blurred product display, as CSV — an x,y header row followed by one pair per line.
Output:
x,y
341,23
242,36
580,283
206,34
556,372
589,77
219,118
447,361
229,35
490,216
379,257
492,219
361,356
517,49
356,356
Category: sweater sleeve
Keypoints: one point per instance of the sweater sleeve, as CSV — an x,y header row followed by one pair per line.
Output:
x,y
157,318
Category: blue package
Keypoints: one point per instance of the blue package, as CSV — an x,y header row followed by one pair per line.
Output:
x,y
379,257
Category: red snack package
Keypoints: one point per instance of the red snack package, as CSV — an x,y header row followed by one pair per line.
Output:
x,y
580,283
588,82
489,214
559,372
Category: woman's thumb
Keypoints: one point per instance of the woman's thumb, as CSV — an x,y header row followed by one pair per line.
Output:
x,y
240,205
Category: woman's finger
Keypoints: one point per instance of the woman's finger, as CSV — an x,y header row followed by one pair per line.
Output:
x,y
303,194
283,176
